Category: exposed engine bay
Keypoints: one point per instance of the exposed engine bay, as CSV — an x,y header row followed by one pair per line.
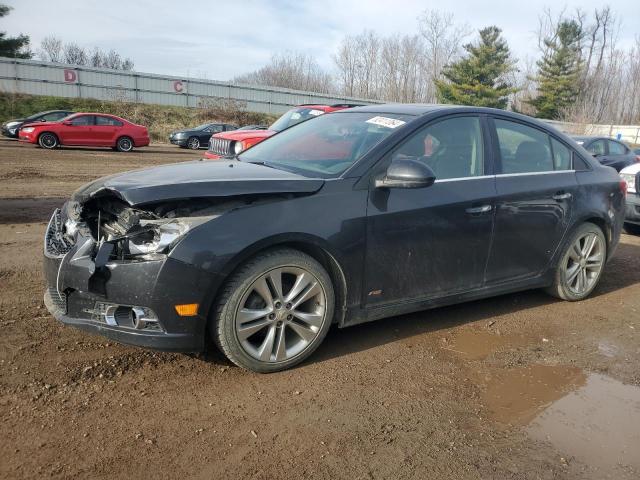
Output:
x,y
123,232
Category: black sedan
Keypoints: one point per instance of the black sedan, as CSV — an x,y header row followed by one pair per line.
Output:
x,y
349,217
198,137
10,128
609,152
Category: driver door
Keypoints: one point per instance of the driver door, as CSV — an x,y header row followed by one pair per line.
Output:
x,y
432,242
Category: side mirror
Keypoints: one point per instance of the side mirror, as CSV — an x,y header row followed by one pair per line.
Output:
x,y
407,173
67,123
42,120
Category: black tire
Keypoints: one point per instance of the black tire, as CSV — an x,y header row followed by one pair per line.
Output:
x,y
632,228
48,140
560,287
222,325
124,144
193,143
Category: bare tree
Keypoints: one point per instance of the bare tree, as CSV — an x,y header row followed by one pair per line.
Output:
x,y
74,54
291,70
51,49
443,39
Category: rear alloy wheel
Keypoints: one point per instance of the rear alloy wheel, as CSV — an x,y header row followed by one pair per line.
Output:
x,y
124,144
193,143
581,265
48,140
274,312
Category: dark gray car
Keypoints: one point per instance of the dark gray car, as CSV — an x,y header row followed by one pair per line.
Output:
x,y
198,137
609,152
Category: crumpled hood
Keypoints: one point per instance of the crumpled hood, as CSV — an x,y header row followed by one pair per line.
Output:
x,y
198,179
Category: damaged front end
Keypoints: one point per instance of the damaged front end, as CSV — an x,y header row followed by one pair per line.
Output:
x,y
107,266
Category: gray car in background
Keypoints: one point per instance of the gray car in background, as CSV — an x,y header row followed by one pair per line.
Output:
x,y
609,152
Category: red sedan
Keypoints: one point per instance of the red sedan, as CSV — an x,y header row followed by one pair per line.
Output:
x,y
87,129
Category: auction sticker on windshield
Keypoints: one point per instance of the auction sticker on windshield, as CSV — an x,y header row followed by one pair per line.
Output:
x,y
315,112
386,122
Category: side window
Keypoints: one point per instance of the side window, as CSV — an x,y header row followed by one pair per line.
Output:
x,y
597,148
523,149
82,120
561,156
54,116
453,148
616,148
107,122
215,128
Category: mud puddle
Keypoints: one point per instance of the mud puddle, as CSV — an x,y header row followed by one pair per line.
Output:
x,y
599,424
478,344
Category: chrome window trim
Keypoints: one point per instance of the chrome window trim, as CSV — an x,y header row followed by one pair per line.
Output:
x,y
502,175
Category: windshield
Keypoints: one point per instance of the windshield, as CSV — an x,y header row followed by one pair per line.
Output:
x,y
326,146
202,127
293,116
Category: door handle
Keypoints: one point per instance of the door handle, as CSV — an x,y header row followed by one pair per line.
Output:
x,y
562,196
479,210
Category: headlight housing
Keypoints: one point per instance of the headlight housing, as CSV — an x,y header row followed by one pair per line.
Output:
x,y
180,135
630,178
157,236
12,124
238,147
28,129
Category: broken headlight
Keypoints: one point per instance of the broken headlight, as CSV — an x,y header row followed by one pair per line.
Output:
x,y
157,236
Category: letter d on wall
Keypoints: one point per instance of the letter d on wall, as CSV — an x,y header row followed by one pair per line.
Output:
x,y
70,76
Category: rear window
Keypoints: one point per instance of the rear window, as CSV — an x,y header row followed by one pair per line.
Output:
x,y
295,116
108,121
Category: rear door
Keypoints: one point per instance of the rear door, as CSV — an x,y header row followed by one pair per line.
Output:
x,y
106,130
535,185
430,242
205,134
619,155
79,131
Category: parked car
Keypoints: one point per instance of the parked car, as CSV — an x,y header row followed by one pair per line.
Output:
x,y
631,175
87,129
609,152
10,128
350,217
226,144
197,137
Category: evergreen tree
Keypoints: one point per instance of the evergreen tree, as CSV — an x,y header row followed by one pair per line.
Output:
x,y
14,47
559,72
480,78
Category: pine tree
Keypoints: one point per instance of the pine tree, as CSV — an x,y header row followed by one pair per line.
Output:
x,y
14,47
559,72
480,78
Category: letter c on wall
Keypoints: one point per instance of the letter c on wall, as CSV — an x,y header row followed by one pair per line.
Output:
x,y
178,86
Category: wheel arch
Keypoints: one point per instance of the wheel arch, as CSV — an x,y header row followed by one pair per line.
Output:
x,y
315,247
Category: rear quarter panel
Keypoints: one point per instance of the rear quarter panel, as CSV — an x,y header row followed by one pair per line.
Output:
x,y
599,197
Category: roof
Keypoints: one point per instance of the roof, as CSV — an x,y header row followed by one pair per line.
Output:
x,y
419,109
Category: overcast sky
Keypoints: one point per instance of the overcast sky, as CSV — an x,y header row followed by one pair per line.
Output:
x,y
220,39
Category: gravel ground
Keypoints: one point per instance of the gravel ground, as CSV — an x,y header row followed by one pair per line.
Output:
x,y
457,392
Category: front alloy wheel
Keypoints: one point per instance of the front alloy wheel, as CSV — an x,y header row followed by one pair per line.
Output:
x,y
193,143
48,140
275,311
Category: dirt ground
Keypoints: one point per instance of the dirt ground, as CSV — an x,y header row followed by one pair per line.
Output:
x,y
516,387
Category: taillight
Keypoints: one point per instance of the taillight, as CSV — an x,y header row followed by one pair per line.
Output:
x,y
623,187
